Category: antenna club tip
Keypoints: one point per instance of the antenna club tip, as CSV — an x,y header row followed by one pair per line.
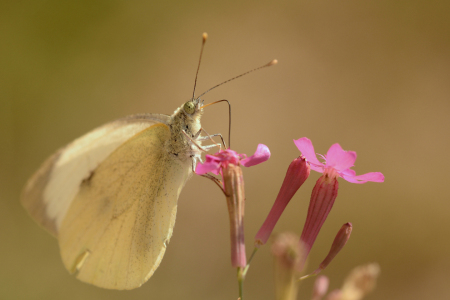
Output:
x,y
205,36
273,62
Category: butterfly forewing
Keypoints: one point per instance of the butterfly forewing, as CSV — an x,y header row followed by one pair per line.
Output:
x,y
117,227
49,192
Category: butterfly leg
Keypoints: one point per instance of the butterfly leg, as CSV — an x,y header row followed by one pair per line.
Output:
x,y
204,138
202,148
196,158
208,136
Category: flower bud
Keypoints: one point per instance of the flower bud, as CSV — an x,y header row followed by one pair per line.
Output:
x,y
339,242
296,175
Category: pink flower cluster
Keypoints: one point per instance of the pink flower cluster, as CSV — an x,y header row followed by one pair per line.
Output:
x,y
337,163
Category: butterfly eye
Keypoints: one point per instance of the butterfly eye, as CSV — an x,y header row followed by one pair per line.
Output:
x,y
189,107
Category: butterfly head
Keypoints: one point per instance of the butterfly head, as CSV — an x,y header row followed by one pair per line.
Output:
x,y
193,107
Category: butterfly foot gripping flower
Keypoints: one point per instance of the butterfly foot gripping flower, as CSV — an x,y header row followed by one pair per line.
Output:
x,y
228,163
337,164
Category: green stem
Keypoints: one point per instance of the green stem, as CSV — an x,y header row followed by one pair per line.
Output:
x,y
240,277
242,272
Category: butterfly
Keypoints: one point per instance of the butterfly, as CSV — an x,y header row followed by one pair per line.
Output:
x,y
110,197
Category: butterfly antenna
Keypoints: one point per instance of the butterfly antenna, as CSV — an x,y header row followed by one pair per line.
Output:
x,y
273,62
205,36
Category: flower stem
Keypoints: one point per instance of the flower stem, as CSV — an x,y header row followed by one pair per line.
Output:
x,y
241,277
244,272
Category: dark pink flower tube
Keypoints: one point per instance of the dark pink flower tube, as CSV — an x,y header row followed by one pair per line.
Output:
x,y
322,199
296,175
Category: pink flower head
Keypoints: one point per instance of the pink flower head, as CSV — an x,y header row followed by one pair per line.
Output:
x,y
336,160
228,163
214,163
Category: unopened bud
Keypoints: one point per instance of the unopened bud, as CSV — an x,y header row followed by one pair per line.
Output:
x,y
339,242
296,175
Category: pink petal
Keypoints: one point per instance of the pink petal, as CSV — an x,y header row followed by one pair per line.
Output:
x,y
307,149
212,158
211,166
317,168
372,176
262,154
228,155
348,172
340,159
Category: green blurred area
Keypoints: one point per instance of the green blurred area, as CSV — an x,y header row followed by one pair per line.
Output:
x,y
371,75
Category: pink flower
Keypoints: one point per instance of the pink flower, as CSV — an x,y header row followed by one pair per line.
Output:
x,y
337,164
221,159
338,159
227,163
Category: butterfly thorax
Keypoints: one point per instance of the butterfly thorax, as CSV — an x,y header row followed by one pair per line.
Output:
x,y
179,144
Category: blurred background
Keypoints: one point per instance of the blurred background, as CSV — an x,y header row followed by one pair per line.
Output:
x,y
371,75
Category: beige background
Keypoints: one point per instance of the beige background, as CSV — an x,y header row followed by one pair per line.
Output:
x,y
371,75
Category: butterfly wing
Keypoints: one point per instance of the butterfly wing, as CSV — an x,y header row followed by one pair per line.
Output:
x,y
49,192
116,230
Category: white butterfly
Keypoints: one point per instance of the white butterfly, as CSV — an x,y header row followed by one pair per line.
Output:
x,y
110,197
